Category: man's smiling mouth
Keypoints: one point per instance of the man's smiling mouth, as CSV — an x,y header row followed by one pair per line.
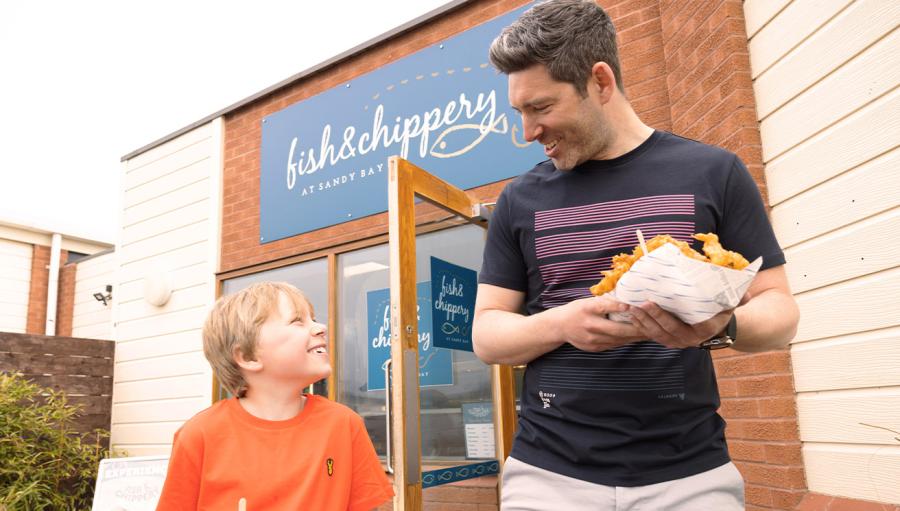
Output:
x,y
551,147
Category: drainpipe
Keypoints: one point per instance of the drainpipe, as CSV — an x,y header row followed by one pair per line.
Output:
x,y
53,284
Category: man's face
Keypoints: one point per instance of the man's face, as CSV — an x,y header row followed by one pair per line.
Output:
x,y
572,128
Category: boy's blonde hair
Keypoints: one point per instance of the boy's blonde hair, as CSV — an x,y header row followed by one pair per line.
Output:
x,y
235,321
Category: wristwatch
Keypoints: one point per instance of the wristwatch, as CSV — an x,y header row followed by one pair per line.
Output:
x,y
723,340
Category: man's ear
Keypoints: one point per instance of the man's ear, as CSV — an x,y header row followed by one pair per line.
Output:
x,y
245,363
602,81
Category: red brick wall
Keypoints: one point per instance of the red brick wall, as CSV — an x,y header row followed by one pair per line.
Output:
x,y
686,69
65,303
709,81
640,36
758,402
711,94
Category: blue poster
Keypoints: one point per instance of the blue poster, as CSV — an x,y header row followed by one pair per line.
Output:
x,y
435,364
323,161
453,301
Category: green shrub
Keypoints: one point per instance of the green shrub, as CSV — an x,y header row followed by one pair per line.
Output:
x,y
44,463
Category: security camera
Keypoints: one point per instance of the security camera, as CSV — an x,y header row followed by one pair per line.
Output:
x,y
105,298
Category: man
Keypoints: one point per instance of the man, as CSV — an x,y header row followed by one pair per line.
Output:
x,y
613,415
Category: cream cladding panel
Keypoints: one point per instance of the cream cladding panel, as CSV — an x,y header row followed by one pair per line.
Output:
x,y
170,219
15,285
826,81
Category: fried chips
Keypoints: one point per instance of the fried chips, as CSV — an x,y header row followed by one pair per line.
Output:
x,y
714,251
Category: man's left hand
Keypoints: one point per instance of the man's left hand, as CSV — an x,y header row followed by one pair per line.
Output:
x,y
663,327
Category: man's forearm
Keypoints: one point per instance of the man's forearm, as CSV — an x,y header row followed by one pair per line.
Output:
x,y
502,337
767,322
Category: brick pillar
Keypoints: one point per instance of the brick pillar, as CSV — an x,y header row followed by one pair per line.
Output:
x,y
65,304
37,295
711,94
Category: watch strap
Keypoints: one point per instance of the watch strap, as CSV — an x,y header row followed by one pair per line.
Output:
x,y
731,328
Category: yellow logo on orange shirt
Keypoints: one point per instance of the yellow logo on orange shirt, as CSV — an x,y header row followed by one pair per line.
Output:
x,y
330,464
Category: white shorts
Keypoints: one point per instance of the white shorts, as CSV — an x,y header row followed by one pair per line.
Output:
x,y
526,487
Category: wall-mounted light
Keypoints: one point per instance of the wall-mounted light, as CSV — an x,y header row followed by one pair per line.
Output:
x,y
105,298
158,287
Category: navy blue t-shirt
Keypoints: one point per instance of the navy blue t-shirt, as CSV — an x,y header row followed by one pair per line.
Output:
x,y
642,413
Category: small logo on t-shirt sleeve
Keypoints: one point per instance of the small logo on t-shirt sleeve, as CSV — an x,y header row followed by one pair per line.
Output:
x,y
329,465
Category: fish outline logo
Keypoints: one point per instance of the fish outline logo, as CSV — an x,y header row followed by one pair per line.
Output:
x,y
449,328
499,126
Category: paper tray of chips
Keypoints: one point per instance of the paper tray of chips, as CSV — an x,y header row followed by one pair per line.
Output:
x,y
692,290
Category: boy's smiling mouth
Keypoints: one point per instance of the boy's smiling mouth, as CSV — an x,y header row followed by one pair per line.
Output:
x,y
318,348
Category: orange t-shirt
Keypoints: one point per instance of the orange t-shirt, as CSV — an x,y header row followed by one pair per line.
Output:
x,y
320,460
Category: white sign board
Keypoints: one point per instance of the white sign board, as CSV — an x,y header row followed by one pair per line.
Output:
x,y
478,419
130,484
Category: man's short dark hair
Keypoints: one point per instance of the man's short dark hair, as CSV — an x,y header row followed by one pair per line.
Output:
x,y
566,36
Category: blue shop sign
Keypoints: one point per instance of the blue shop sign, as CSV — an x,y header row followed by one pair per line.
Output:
x,y
453,300
324,159
435,364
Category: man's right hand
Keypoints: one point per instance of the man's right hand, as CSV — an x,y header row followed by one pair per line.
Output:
x,y
501,334
584,324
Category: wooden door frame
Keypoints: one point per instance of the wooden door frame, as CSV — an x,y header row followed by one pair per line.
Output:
x,y
406,181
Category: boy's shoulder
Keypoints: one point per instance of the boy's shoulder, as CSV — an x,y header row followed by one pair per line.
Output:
x,y
332,409
210,417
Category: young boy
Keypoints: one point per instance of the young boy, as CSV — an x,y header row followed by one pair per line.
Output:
x,y
271,447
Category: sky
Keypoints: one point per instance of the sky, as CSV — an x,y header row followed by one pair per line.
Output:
x,y
84,83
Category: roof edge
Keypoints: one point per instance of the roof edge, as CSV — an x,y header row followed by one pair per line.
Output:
x,y
110,250
36,228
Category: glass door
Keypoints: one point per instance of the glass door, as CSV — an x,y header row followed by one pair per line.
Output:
x,y
455,387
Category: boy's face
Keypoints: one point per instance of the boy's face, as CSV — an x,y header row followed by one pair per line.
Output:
x,y
292,346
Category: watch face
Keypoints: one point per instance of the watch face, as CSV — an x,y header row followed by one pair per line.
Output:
x,y
717,343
